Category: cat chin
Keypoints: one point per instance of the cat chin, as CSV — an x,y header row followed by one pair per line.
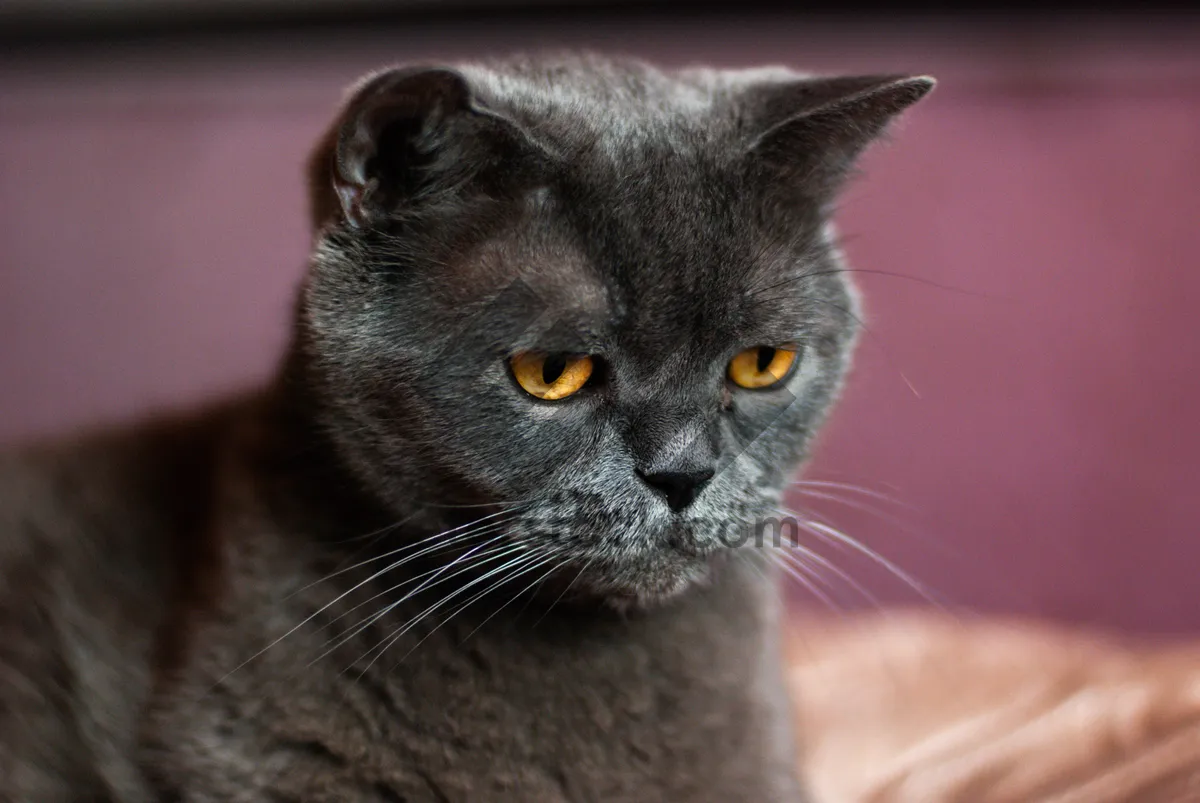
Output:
x,y
642,593
641,600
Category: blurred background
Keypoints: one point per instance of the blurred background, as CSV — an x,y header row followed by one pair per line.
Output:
x,y
1022,430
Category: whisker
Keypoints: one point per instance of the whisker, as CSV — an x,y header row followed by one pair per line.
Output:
x,y
828,565
441,506
479,595
422,575
847,487
386,643
854,504
397,564
341,596
797,573
529,599
907,527
549,572
452,563
563,593
485,557
390,553
836,536
422,507
436,537
852,479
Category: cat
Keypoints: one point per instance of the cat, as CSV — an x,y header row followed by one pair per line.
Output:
x,y
917,706
570,323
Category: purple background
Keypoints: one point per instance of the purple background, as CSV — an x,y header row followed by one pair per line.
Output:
x,y
153,228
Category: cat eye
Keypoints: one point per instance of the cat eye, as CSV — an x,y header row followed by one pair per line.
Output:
x,y
551,376
762,367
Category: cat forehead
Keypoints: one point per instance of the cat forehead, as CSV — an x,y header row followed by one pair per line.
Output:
x,y
541,266
608,281
609,105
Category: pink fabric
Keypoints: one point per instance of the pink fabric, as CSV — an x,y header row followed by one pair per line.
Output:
x,y
153,226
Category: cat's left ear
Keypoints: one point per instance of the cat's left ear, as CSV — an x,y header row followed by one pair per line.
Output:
x,y
811,131
408,136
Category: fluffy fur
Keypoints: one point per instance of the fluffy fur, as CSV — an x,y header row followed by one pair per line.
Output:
x,y
394,575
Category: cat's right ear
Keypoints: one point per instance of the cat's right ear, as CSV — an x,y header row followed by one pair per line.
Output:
x,y
811,131
407,136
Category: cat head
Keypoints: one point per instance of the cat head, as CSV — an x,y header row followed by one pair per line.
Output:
x,y
595,303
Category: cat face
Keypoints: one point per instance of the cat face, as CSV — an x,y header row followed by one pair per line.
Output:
x,y
598,301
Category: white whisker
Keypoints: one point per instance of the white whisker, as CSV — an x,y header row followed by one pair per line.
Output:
x,y
836,536
830,566
848,487
479,595
437,569
351,590
383,646
796,572
485,557
411,545
549,572
563,593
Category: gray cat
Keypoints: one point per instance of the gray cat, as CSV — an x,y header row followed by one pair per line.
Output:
x,y
569,326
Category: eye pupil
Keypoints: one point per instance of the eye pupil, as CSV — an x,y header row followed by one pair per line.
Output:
x,y
551,376
553,368
765,355
763,367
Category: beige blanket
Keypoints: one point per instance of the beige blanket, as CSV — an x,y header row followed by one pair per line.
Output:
x,y
915,707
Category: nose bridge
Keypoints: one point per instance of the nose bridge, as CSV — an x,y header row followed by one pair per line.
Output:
x,y
673,437
674,451
671,404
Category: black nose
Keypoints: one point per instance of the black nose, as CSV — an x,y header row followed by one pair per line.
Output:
x,y
678,487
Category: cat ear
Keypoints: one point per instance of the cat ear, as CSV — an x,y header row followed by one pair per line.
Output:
x,y
404,137
813,130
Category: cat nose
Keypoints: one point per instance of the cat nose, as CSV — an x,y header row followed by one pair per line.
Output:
x,y
679,488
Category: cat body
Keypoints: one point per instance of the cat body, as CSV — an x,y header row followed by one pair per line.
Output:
x,y
413,568
534,705
523,704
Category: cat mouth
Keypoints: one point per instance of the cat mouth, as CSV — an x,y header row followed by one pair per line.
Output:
x,y
627,558
636,582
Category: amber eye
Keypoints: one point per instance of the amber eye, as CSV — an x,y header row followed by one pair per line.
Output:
x,y
551,376
762,366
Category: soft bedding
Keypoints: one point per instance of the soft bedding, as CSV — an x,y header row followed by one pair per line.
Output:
x,y
921,707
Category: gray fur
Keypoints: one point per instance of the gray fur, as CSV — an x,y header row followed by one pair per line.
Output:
x,y
196,609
